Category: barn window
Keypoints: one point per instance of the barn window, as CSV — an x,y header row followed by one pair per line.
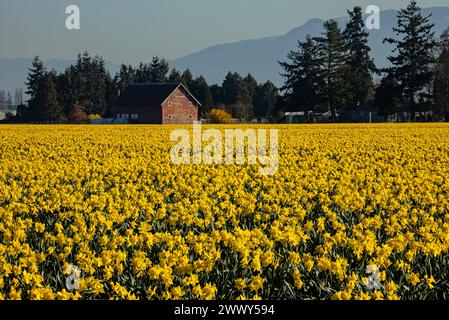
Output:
x,y
190,116
170,104
170,116
134,116
190,103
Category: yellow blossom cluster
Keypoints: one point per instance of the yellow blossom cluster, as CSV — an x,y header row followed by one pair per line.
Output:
x,y
354,212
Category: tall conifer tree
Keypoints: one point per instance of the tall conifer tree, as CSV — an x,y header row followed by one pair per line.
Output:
x,y
441,85
414,55
334,56
304,81
360,64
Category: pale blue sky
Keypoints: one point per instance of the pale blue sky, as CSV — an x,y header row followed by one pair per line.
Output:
x,y
134,30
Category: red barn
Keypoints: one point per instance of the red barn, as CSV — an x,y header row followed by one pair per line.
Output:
x,y
157,103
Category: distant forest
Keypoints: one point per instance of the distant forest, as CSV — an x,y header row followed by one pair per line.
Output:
x,y
332,74
58,97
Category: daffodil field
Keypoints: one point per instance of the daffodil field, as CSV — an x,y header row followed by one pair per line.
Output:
x,y
354,212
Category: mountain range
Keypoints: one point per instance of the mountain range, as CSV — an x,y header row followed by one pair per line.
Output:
x,y
259,56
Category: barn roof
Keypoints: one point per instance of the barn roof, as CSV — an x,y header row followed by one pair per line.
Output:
x,y
149,94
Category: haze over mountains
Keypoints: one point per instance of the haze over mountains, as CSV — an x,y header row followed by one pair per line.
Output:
x,y
258,57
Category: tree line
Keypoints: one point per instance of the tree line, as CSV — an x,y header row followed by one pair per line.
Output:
x,y
87,88
334,73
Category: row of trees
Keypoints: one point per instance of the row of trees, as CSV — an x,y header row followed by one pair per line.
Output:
x,y
57,97
159,72
87,88
334,73
416,81
441,82
7,102
242,97
331,73
245,98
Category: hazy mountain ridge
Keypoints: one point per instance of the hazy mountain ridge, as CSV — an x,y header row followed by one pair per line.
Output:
x,y
260,57
256,56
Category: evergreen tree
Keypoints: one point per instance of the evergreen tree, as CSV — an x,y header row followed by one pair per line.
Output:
x,y
80,71
415,44
44,105
112,90
158,70
66,89
175,76
89,78
50,100
251,87
125,77
265,100
35,75
83,73
235,90
441,84
237,97
142,74
360,64
334,57
187,78
387,97
34,84
98,80
304,79
78,80
200,89
217,94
